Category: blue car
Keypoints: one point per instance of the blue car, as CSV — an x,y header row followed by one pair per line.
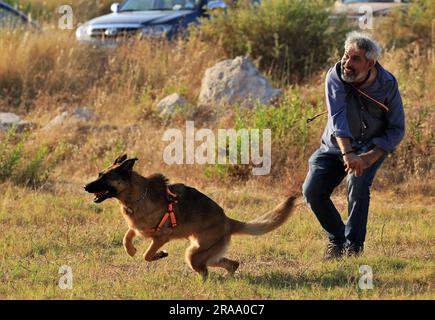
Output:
x,y
145,18
12,19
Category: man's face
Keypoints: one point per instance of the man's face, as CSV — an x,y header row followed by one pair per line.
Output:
x,y
355,65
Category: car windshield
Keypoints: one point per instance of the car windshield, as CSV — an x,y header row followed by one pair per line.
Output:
x,y
144,5
356,1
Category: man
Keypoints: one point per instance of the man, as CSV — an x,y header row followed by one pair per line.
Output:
x,y
365,122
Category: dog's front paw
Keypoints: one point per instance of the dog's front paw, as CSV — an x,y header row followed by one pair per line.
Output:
x,y
161,254
131,251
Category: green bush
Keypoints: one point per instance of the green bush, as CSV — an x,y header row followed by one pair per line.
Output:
x,y
287,120
290,133
11,152
19,165
289,39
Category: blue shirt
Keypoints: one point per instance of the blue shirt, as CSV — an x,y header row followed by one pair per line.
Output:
x,y
354,116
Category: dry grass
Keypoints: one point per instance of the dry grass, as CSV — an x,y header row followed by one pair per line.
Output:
x,y
43,72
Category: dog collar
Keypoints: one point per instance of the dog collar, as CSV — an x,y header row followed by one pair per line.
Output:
x,y
129,210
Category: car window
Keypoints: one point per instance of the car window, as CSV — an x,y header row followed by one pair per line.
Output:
x,y
9,20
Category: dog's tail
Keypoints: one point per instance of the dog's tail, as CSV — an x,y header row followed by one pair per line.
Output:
x,y
265,223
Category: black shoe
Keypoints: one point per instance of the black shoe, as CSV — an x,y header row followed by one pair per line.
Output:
x,y
353,250
334,251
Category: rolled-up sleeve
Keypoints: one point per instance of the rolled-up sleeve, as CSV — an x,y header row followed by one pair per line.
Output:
x,y
395,129
335,93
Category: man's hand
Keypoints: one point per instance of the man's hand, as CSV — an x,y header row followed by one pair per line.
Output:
x,y
352,162
372,156
355,164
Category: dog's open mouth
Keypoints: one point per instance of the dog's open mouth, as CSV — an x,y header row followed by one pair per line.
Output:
x,y
101,196
101,191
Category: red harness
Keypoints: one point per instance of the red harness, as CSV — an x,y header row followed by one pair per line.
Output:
x,y
170,213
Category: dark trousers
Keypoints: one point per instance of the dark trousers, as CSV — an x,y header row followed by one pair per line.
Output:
x,y
325,173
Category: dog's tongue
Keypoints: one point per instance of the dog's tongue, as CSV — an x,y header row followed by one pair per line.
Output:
x,y
98,194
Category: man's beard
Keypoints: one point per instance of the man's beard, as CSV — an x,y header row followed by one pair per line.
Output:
x,y
350,78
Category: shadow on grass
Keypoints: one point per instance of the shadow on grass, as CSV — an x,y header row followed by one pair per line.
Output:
x,y
281,280
338,279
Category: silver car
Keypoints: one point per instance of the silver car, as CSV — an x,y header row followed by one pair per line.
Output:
x,y
355,9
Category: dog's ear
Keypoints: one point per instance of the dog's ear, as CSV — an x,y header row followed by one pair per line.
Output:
x,y
127,165
120,159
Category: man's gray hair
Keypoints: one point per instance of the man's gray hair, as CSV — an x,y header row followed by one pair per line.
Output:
x,y
363,41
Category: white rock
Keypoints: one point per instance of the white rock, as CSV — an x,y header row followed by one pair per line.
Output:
x,y
70,116
9,119
167,105
235,81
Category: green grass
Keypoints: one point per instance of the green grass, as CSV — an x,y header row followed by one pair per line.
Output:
x,y
19,165
42,231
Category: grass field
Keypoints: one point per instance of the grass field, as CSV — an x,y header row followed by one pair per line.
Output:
x,y
41,231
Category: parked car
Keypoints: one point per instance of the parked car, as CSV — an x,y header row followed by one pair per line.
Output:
x,y
354,9
145,18
12,19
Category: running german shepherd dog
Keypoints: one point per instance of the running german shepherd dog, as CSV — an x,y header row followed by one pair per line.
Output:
x,y
148,202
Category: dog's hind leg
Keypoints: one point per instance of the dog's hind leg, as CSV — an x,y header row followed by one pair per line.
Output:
x,y
151,254
217,259
198,263
230,265
202,254
197,258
